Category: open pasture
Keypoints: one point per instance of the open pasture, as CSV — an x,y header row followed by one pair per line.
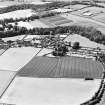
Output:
x,y
47,91
15,58
64,67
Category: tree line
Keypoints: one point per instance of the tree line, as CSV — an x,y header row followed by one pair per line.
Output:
x,y
88,32
31,18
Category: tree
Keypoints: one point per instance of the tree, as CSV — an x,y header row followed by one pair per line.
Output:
x,y
60,49
76,45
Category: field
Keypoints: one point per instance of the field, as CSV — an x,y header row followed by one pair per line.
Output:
x,y
55,21
5,79
32,36
65,67
20,37
83,21
85,42
25,24
47,91
17,14
15,58
39,24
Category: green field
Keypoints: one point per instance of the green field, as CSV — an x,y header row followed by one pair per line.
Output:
x,y
70,67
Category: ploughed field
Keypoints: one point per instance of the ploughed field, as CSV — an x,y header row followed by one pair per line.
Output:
x,y
69,67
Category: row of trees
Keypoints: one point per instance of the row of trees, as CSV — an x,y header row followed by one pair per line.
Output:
x,y
38,8
88,32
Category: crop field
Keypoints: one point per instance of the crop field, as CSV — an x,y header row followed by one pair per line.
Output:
x,y
70,67
15,58
56,20
5,79
48,91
